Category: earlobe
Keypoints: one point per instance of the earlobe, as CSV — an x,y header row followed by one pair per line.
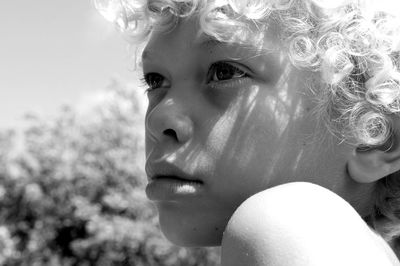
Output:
x,y
370,165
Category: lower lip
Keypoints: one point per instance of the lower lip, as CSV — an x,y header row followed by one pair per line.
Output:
x,y
172,189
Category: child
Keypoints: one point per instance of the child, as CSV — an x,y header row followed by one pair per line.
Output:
x,y
272,127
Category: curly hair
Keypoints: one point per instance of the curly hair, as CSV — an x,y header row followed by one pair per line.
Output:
x,y
352,45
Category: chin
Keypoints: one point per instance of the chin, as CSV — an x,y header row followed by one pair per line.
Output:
x,y
191,230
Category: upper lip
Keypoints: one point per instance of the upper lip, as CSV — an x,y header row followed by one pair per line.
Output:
x,y
167,170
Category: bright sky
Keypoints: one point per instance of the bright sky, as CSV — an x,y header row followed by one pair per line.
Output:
x,y
54,52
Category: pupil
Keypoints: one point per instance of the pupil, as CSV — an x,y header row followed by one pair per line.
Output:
x,y
155,80
224,73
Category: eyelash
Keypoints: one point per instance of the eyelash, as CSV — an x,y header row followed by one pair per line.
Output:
x,y
234,73
149,82
233,70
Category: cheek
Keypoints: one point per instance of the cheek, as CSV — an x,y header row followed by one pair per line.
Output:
x,y
223,130
258,133
268,139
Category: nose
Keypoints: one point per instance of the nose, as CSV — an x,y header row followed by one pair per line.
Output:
x,y
168,121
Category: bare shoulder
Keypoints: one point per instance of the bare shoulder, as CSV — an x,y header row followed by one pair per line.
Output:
x,y
301,224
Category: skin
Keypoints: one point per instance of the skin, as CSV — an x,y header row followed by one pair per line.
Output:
x,y
301,224
240,133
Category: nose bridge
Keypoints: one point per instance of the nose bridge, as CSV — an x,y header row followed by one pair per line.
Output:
x,y
171,119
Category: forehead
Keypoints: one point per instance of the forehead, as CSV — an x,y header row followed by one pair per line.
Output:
x,y
188,34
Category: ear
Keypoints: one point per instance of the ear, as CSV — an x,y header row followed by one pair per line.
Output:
x,y
370,165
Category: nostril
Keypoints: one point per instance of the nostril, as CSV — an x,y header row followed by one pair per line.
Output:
x,y
170,133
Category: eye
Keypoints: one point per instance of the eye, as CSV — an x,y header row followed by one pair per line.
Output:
x,y
221,71
154,80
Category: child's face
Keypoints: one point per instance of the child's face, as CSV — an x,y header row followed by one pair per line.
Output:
x,y
234,121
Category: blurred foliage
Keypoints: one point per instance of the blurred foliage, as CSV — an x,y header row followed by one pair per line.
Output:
x,y
74,194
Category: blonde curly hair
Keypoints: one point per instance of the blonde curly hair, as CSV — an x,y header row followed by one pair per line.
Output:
x,y
353,45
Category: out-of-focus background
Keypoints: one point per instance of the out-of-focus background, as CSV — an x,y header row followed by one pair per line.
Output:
x,y
55,52
71,144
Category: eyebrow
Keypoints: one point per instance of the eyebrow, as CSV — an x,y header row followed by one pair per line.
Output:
x,y
206,42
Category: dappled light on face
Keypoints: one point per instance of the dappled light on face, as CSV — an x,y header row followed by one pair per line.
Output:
x,y
285,106
190,157
222,129
280,104
170,157
199,160
204,158
282,85
298,158
246,146
288,109
262,117
299,112
234,127
251,98
281,116
169,102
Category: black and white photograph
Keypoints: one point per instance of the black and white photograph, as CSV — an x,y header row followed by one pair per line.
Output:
x,y
200,133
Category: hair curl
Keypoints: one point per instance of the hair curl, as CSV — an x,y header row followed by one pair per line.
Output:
x,y
353,46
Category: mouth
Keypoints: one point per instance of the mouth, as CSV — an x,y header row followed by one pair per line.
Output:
x,y
177,178
173,188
